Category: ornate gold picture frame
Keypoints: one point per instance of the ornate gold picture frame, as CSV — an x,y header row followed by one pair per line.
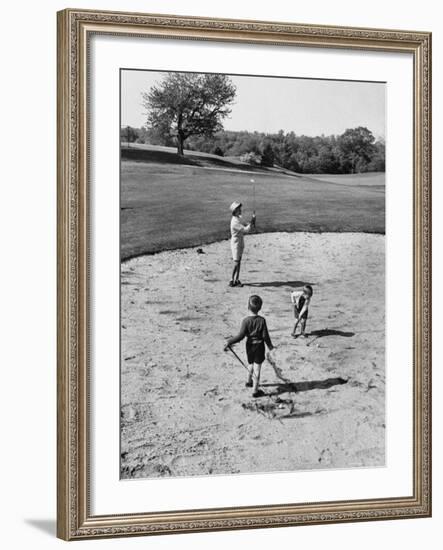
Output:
x,y
74,516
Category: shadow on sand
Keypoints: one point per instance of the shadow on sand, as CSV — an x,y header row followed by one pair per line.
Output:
x,y
277,284
290,387
330,332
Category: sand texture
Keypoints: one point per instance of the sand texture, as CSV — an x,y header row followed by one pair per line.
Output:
x,y
185,409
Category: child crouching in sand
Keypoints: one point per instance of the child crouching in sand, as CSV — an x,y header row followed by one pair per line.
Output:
x,y
255,330
300,300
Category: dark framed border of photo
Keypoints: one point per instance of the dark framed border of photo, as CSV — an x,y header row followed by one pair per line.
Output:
x,y
79,431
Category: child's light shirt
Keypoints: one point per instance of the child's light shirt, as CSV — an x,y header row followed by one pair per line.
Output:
x,y
238,229
296,299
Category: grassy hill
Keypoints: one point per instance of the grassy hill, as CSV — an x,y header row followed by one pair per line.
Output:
x,y
168,155
171,202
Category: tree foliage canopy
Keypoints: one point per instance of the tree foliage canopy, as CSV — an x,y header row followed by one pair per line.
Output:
x,y
356,150
353,151
356,146
188,104
128,134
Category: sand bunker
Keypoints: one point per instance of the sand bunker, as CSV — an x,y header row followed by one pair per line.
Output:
x,y
185,408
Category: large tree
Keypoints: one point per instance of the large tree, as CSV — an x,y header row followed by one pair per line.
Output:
x,y
357,148
188,104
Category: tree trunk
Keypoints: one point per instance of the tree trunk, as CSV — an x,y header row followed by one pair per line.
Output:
x,y
180,143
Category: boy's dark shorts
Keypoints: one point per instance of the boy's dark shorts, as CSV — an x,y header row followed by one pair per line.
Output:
x,y
297,313
255,352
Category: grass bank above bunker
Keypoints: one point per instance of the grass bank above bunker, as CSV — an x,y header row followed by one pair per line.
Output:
x,y
169,203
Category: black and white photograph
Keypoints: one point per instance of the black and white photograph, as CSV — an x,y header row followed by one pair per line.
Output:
x,y
252,282
217,291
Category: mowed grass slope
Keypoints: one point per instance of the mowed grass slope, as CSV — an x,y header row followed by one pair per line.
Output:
x,y
169,203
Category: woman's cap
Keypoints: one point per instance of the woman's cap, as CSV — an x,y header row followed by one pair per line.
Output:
x,y
234,206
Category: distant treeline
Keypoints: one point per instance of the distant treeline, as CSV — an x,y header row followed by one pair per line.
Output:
x,y
356,150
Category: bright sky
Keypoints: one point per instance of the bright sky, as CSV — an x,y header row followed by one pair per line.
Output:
x,y
269,104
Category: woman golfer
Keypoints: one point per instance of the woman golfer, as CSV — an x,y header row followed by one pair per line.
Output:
x,y
238,229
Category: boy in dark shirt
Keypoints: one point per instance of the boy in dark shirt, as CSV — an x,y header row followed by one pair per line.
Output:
x,y
255,330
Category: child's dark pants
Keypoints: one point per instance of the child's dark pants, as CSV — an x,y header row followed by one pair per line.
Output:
x,y
255,352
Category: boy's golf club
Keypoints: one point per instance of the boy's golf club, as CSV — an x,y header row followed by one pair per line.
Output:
x,y
238,358
241,362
